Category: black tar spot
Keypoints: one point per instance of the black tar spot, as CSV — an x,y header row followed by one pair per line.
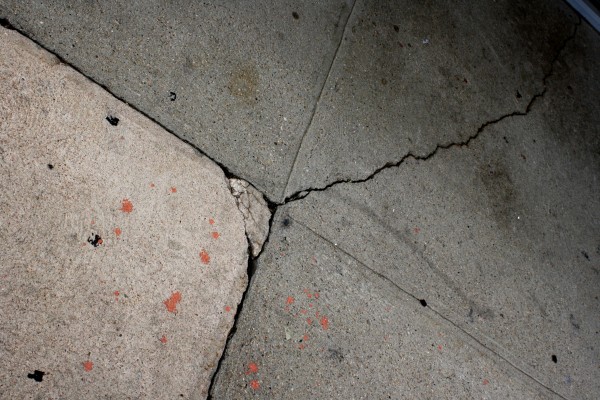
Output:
x,y
37,375
172,96
95,240
114,121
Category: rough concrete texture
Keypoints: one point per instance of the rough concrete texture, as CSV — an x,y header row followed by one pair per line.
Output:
x,y
411,76
496,242
123,251
273,91
255,211
238,79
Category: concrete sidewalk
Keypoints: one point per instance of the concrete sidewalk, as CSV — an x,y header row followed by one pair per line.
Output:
x,y
433,171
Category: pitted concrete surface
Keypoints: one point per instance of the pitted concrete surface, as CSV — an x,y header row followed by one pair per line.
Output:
x,y
123,252
433,169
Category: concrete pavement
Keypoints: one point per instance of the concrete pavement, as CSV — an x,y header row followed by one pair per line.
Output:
x,y
433,168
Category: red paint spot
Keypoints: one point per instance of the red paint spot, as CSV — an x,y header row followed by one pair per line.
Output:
x,y
254,384
163,339
126,206
215,235
440,347
172,301
88,366
303,311
252,368
309,321
290,300
227,308
316,295
310,305
211,221
118,231
417,230
301,346
305,337
173,189
485,381
204,257
116,293
100,241
325,322
317,314
151,184
307,292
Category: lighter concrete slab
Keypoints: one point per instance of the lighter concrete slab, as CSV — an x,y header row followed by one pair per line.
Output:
x,y
123,254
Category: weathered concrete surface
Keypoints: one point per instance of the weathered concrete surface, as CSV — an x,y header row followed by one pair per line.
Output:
x,y
255,211
499,238
249,76
410,76
123,255
246,75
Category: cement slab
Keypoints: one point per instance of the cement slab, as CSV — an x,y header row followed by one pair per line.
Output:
x,y
501,237
123,252
411,76
237,79
318,324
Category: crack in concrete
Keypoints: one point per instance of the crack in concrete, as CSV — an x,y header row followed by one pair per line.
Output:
x,y
301,194
316,105
424,303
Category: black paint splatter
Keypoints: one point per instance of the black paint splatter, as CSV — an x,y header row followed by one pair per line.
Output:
x,y
37,375
286,222
295,15
554,359
95,240
423,302
172,96
50,166
114,121
396,28
585,254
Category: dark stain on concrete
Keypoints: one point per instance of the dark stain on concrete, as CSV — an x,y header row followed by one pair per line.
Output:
x,y
243,83
501,193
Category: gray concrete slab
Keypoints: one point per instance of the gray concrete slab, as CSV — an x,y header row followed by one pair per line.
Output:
x,y
317,323
237,79
123,254
411,76
501,237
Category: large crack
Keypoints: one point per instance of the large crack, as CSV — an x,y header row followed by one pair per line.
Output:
x,y
301,194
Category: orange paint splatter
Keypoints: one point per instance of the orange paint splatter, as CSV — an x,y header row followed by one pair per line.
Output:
x,y
301,346
126,206
227,308
290,300
118,231
485,381
163,339
305,337
215,235
325,322
254,384
88,366
204,257
172,301
252,368
173,189
211,221
151,184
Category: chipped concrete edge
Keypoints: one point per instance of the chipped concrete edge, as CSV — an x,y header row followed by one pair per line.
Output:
x,y
255,212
